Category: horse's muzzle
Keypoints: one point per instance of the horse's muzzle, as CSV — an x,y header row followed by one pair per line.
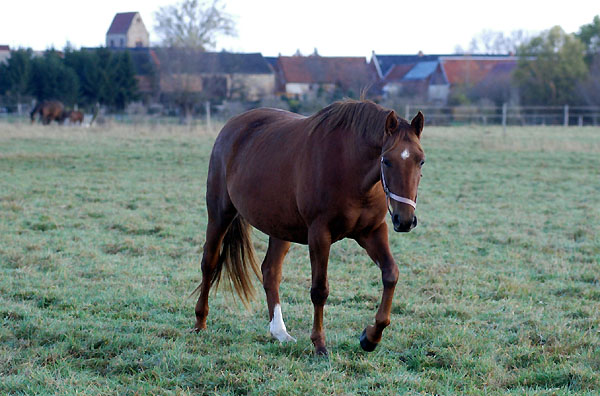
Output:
x,y
403,226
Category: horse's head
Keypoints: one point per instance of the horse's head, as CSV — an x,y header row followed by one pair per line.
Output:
x,y
401,161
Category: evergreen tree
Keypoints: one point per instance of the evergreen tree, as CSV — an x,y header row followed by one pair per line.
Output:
x,y
106,77
51,79
15,75
124,80
85,65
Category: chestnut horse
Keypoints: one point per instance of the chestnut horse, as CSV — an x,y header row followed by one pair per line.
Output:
x,y
75,116
310,180
49,110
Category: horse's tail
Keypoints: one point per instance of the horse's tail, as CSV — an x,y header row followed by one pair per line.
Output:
x,y
238,259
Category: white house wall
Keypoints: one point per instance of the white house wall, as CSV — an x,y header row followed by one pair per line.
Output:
x,y
137,33
438,93
116,40
254,86
297,88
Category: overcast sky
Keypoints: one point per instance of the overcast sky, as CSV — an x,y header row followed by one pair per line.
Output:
x,y
335,28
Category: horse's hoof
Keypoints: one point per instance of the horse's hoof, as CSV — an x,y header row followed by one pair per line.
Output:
x,y
365,344
197,328
322,352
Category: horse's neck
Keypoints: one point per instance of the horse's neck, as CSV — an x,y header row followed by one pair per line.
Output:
x,y
368,165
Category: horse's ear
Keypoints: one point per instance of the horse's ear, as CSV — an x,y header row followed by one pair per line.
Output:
x,y
417,124
391,122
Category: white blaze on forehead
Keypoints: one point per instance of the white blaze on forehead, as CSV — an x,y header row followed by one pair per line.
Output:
x,y
277,327
405,154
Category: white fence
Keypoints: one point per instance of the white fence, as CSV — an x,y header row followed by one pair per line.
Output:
x,y
508,115
435,115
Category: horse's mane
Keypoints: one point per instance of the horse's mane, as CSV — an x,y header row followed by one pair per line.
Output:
x,y
363,117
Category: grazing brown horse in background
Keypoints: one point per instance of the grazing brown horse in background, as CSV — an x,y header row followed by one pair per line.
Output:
x,y
49,110
75,116
310,180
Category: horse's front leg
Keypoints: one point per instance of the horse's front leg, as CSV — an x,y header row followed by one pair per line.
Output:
x,y
377,247
319,243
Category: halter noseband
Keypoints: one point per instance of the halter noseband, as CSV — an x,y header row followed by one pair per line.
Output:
x,y
390,195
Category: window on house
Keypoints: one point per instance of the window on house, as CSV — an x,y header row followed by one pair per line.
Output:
x,y
122,43
112,43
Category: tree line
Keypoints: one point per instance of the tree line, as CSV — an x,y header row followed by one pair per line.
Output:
x,y
554,67
84,77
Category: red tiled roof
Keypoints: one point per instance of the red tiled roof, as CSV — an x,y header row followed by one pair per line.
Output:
x,y
324,70
470,71
4,48
398,72
121,23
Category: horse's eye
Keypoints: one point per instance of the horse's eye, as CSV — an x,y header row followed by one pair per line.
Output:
x,y
386,163
422,163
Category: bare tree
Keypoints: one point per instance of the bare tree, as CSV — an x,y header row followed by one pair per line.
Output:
x,y
495,42
193,24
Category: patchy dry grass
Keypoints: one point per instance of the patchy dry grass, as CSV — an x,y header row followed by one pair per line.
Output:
x,y
100,232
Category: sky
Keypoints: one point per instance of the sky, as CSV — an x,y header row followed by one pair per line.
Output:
x,y
334,28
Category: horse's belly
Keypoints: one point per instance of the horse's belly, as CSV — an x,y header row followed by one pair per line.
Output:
x,y
272,214
287,229
296,234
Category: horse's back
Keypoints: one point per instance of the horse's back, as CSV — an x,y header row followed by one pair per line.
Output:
x,y
255,157
257,133
249,124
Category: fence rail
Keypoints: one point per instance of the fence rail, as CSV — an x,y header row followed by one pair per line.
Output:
x,y
508,115
436,115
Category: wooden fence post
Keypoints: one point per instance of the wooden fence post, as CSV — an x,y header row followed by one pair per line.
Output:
x,y
407,112
504,113
566,116
208,126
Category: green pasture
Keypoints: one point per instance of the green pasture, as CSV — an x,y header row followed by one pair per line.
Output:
x,y
101,232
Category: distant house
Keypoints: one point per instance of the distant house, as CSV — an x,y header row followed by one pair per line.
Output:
x,y
431,77
216,75
472,69
419,76
306,76
497,84
385,63
424,79
127,30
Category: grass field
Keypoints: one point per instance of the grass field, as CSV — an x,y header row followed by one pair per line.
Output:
x,y
100,241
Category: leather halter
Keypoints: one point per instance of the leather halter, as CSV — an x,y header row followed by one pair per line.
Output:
x,y
390,195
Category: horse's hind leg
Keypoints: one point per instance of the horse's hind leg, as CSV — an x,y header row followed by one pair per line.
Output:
x,y
220,216
271,271
377,247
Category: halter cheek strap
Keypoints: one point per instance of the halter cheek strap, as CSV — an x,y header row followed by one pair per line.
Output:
x,y
390,195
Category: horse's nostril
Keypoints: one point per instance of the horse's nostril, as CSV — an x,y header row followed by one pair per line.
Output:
x,y
414,223
395,219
